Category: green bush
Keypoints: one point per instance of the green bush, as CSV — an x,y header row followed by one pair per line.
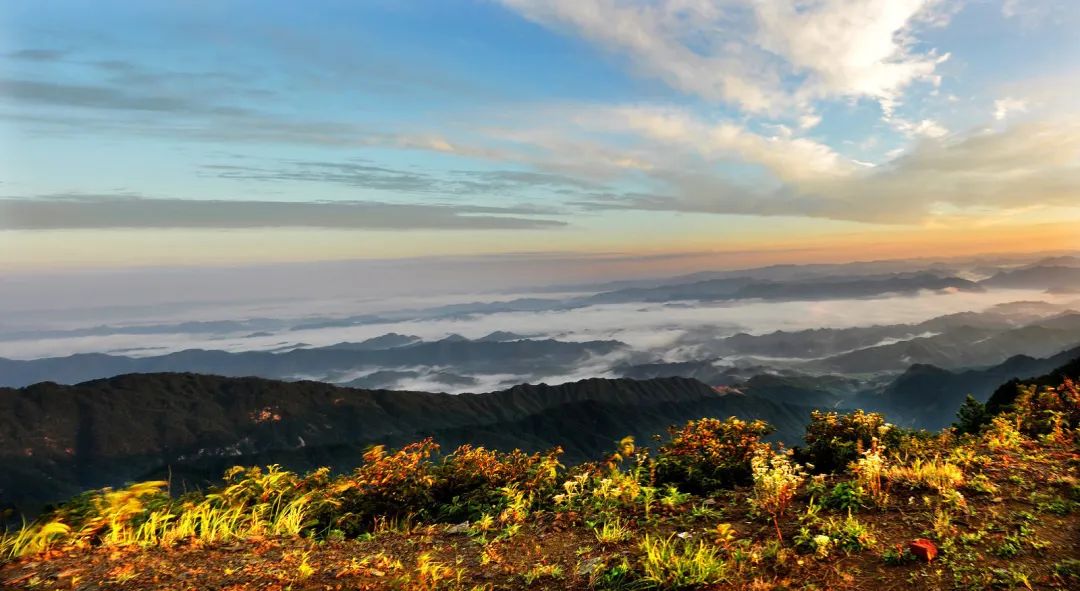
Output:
x,y
710,454
845,496
834,440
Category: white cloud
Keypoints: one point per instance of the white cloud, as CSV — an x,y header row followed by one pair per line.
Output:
x,y
788,157
1032,13
763,56
1003,107
809,121
923,128
853,49
942,176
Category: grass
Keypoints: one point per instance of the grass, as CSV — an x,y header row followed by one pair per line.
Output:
x,y
933,473
672,563
612,531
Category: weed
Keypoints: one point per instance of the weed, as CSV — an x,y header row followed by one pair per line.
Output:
x,y
898,555
1010,546
776,479
542,571
670,563
612,531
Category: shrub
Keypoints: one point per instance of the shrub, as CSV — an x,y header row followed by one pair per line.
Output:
x,y
387,485
849,534
845,496
1003,434
710,454
834,440
466,483
1050,411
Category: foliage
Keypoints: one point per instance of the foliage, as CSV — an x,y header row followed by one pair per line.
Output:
x,y
869,469
776,480
612,531
709,454
835,440
845,496
387,485
971,417
1049,411
467,482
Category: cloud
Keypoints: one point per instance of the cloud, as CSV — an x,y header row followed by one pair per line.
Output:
x,y
763,56
369,175
1003,107
923,128
60,212
38,55
102,97
942,177
1032,13
789,158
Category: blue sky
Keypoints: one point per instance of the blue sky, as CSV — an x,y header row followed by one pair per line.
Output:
x,y
157,133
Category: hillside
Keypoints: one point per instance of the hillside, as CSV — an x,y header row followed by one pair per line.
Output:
x,y
56,441
927,396
860,505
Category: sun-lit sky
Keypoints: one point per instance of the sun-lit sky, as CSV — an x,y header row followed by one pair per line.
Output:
x,y
205,133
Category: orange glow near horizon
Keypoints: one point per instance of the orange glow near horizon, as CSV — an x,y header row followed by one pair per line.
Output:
x,y
34,252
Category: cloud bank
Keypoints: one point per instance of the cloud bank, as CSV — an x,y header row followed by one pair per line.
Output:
x,y
108,211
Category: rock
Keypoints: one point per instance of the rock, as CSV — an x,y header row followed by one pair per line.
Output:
x,y
461,528
590,566
923,549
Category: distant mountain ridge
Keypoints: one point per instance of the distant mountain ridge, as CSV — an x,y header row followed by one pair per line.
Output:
x,y
927,396
382,353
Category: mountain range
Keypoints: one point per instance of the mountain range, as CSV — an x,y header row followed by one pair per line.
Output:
x,y
58,440
332,363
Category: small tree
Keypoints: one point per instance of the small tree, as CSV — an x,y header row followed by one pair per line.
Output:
x,y
971,416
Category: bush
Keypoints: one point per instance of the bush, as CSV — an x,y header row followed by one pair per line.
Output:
x,y
710,454
845,496
834,440
387,485
1053,412
467,482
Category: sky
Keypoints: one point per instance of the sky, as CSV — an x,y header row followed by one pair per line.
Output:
x,y
669,135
